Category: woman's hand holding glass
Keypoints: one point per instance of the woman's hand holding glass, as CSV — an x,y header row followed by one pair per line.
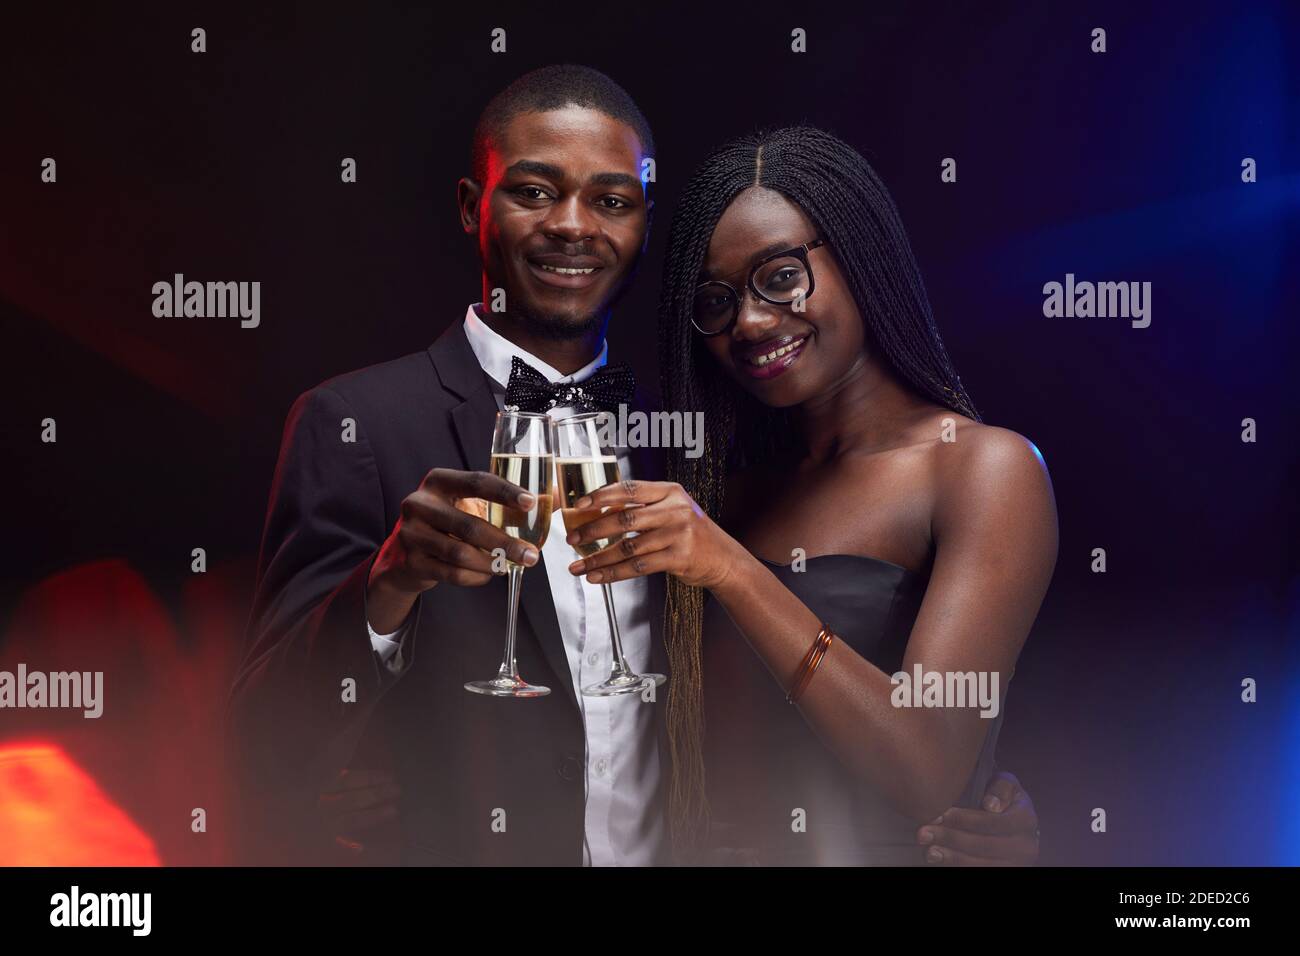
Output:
x,y
673,534
585,465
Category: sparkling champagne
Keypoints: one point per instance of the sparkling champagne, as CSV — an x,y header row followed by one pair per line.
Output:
x,y
579,477
533,474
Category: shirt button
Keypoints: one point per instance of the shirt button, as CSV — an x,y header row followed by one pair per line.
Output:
x,y
593,658
600,766
569,768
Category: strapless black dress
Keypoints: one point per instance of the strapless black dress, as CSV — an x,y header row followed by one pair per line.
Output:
x,y
763,761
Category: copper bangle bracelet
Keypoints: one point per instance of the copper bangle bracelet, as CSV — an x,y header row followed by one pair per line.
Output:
x,y
810,663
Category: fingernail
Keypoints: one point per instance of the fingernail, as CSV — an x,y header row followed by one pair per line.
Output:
x,y
993,804
572,538
926,835
594,577
582,502
576,567
934,855
937,820
526,500
530,557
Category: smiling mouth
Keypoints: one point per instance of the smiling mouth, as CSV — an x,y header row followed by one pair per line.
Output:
x,y
767,358
565,272
566,277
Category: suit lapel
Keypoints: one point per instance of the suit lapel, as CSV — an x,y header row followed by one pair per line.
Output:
x,y
539,607
458,369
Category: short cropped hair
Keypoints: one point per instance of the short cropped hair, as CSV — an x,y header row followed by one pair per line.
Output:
x,y
553,88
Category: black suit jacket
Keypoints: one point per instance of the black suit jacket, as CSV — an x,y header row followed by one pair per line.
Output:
x,y
458,757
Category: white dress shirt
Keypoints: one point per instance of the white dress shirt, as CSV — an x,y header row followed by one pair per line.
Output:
x,y
623,826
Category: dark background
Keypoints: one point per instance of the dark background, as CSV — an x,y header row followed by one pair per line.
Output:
x,y
1117,166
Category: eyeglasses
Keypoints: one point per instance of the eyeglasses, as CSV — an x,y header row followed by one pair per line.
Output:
x,y
780,279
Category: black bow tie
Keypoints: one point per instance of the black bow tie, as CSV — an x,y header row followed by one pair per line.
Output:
x,y
604,390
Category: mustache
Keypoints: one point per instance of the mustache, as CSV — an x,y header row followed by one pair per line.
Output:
x,y
585,251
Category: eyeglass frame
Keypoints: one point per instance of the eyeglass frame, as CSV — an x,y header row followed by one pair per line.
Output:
x,y
799,252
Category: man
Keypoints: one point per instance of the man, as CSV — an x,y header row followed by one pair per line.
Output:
x,y
375,602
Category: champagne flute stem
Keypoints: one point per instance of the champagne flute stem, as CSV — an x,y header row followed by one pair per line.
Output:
x,y
620,664
509,668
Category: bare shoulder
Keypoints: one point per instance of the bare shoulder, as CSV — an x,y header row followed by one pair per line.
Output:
x,y
990,451
987,469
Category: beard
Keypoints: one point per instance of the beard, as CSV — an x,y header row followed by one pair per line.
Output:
x,y
557,326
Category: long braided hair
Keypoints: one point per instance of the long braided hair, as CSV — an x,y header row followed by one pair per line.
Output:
x,y
848,204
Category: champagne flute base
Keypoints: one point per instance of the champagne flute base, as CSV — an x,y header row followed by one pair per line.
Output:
x,y
623,684
506,687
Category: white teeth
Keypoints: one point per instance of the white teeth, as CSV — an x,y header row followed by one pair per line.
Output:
x,y
567,272
762,360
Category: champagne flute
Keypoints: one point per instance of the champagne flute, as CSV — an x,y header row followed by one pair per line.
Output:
x,y
583,465
522,453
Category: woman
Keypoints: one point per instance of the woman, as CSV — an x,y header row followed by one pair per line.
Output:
x,y
851,517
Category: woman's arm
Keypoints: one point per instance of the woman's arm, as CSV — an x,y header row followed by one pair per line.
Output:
x,y
994,529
